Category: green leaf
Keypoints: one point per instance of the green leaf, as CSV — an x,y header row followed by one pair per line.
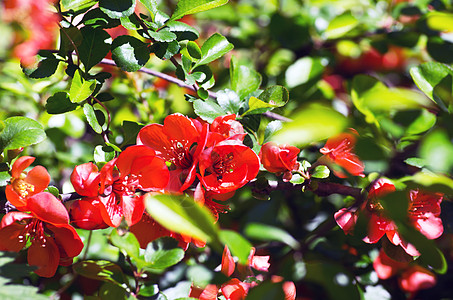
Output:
x,y
272,97
46,66
194,50
267,290
163,35
127,243
440,21
238,245
429,182
77,4
89,112
151,6
244,80
69,37
422,123
341,25
129,53
207,110
229,101
100,270
20,292
163,253
213,48
182,30
95,46
59,103
263,232
321,171
297,179
165,50
130,130
436,150
271,129
19,132
202,93
182,215
117,8
80,89
303,70
96,18
312,123
187,7
103,154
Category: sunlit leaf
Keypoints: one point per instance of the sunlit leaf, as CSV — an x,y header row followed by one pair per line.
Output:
x,y
213,48
341,25
187,7
80,88
237,244
18,132
265,232
163,253
100,270
129,53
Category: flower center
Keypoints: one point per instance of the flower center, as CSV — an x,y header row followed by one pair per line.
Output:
x,y
179,154
34,232
222,164
22,187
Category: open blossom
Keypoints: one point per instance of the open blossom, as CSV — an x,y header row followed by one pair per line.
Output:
x,y
338,151
279,158
423,214
227,166
411,277
225,127
116,185
52,240
25,184
179,141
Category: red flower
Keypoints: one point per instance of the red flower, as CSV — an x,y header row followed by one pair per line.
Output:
x,y
423,213
338,152
412,278
225,127
227,166
179,141
279,158
235,289
23,184
138,168
86,214
53,241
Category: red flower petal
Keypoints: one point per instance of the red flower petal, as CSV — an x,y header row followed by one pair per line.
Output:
x,y
386,267
416,278
85,179
235,289
228,263
67,239
346,220
111,213
45,257
180,128
10,231
39,178
133,208
20,165
47,208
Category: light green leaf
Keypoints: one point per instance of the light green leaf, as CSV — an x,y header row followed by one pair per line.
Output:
x,y
312,123
80,88
20,292
436,150
244,80
20,132
321,171
187,7
341,25
303,70
163,253
271,129
263,232
129,53
213,48
77,4
163,35
127,243
441,21
100,270
207,110
88,110
151,6
238,245
229,101
116,9
182,30
272,97
429,182
182,215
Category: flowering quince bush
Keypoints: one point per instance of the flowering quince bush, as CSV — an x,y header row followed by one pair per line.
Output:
x,y
215,149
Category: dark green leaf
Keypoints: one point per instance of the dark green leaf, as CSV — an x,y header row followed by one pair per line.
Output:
x,y
69,37
148,291
187,7
97,18
59,103
439,49
268,291
238,245
110,291
129,53
45,67
103,97
130,130
117,8
100,270
202,93
88,110
80,89
207,110
182,215
163,253
263,232
20,132
182,30
213,48
94,47
244,80
194,50
165,50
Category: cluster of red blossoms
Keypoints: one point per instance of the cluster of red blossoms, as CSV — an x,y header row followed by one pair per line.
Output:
x,y
41,222
184,155
235,289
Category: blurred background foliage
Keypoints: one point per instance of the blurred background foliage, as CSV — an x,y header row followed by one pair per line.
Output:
x,y
383,65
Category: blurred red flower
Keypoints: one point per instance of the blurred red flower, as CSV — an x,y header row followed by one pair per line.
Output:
x,y
279,158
